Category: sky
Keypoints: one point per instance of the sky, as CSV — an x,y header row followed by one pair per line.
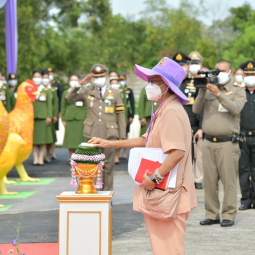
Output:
x,y
218,8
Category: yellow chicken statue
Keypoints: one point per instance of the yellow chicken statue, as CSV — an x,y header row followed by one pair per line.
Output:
x,y
21,123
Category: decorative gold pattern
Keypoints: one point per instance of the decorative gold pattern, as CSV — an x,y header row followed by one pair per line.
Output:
x,y
179,57
215,139
162,61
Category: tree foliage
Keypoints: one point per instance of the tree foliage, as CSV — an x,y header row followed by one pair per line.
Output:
x,y
71,36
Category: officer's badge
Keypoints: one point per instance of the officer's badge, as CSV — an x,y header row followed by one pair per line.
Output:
x,y
250,66
179,57
98,69
194,55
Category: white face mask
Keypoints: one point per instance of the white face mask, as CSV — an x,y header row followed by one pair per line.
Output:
x,y
73,84
13,82
45,81
153,91
239,78
115,86
223,77
194,68
51,77
249,81
123,83
100,82
4,82
37,81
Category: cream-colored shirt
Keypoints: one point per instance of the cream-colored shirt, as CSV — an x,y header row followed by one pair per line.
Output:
x,y
170,131
222,113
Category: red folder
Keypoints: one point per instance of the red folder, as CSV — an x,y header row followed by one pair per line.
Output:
x,y
152,167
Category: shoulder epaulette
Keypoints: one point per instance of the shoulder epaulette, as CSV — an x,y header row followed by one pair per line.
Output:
x,y
119,108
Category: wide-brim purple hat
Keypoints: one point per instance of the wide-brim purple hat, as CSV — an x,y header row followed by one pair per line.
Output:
x,y
170,72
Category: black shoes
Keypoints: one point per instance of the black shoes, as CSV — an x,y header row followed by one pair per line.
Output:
x,y
199,185
227,223
244,207
209,222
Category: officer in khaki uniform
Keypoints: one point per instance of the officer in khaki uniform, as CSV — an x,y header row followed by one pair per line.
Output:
x,y
105,115
222,105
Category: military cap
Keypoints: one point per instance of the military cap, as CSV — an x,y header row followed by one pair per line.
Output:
x,y
181,58
248,67
12,76
195,57
122,77
49,69
99,70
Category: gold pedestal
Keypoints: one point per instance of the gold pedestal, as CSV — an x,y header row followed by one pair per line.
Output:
x,y
86,185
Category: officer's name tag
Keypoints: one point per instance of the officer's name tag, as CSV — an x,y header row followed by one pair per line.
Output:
x,y
79,103
109,109
222,109
2,97
42,98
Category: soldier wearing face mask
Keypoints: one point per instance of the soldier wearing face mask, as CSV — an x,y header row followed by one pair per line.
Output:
x,y
247,125
12,82
239,74
6,94
43,114
46,81
114,83
73,115
105,115
192,64
221,105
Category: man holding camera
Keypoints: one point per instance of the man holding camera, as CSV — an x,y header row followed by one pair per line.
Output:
x,y
190,91
222,105
247,125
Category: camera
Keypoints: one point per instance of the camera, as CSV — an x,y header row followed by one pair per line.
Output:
x,y
209,78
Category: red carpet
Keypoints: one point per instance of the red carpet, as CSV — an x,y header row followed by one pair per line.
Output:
x,y
27,248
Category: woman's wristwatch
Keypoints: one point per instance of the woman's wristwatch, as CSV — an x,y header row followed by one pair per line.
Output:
x,y
153,178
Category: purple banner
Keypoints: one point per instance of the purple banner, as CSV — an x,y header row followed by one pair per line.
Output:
x,y
11,35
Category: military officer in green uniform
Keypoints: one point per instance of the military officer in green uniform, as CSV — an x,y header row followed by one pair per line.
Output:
x,y
130,106
105,115
57,86
145,107
247,125
43,114
55,111
73,114
7,96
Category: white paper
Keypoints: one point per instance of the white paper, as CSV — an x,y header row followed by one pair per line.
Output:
x,y
154,154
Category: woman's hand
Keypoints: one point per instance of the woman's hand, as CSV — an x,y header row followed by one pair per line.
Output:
x,y
101,142
147,182
64,123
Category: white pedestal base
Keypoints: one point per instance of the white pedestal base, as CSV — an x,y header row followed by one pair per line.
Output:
x,y
85,223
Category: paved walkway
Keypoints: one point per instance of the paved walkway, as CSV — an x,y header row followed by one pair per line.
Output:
x,y
38,216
